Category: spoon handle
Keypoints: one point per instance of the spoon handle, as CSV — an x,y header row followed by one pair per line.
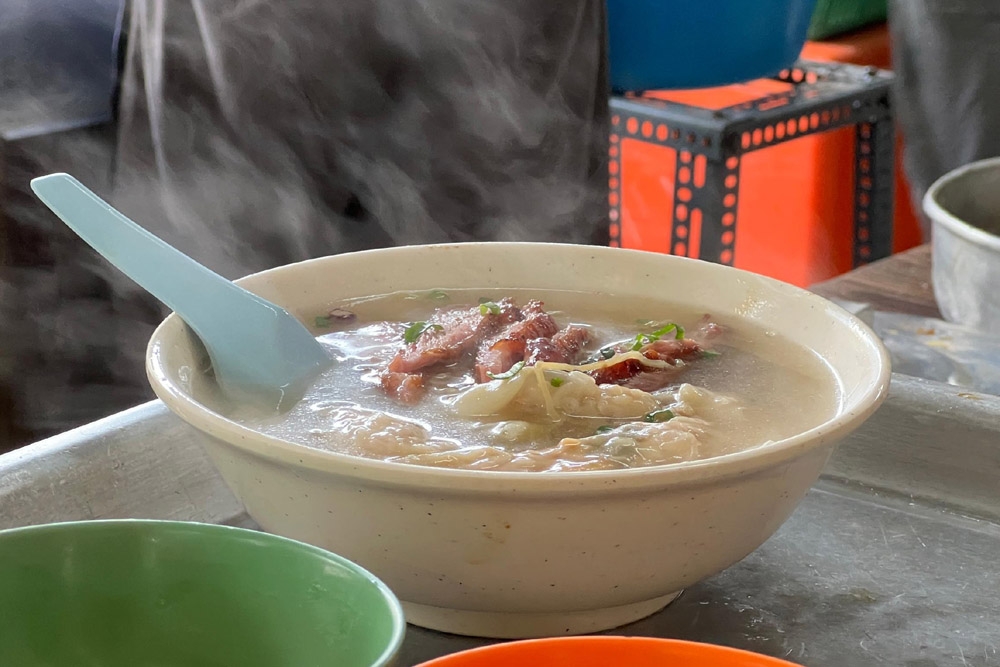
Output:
x,y
181,283
254,345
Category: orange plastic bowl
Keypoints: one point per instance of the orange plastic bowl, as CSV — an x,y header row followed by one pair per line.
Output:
x,y
603,651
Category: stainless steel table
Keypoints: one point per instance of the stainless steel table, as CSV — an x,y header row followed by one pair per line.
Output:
x,y
893,558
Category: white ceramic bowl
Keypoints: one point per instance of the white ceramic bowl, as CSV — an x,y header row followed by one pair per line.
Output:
x,y
964,208
506,554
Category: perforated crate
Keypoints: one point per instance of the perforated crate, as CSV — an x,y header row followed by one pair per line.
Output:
x,y
699,170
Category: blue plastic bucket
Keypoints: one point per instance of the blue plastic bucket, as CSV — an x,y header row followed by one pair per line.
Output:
x,y
670,44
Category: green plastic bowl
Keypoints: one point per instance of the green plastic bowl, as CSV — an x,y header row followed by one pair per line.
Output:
x,y
170,594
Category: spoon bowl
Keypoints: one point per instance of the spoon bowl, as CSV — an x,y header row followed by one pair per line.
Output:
x,y
259,351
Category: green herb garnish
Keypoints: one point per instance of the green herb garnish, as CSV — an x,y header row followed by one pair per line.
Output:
x,y
658,416
418,329
640,340
604,429
514,370
557,382
489,308
710,354
322,321
645,339
678,329
607,352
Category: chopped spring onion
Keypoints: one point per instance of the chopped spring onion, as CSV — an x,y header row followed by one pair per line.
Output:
x,y
607,352
418,329
489,308
645,339
670,327
557,382
514,370
710,354
640,340
658,416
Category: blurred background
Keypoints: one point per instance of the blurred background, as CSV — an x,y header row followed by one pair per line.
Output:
x,y
251,134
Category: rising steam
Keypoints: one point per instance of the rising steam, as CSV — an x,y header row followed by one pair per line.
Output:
x,y
255,133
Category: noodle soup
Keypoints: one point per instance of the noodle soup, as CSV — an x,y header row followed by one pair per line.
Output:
x,y
530,380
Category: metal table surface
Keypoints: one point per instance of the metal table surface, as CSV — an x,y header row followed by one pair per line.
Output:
x,y
890,559
897,284
853,578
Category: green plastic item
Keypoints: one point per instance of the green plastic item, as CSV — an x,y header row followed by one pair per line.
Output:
x,y
835,17
171,594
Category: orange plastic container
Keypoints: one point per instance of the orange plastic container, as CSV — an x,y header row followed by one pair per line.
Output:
x,y
605,651
795,213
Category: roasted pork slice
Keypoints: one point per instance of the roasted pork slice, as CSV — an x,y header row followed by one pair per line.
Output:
x,y
500,353
535,323
706,331
451,333
404,387
564,347
498,358
671,351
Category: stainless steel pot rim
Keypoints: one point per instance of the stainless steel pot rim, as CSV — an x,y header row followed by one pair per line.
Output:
x,y
943,218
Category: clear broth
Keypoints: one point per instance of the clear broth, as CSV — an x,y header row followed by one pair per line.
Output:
x,y
761,388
